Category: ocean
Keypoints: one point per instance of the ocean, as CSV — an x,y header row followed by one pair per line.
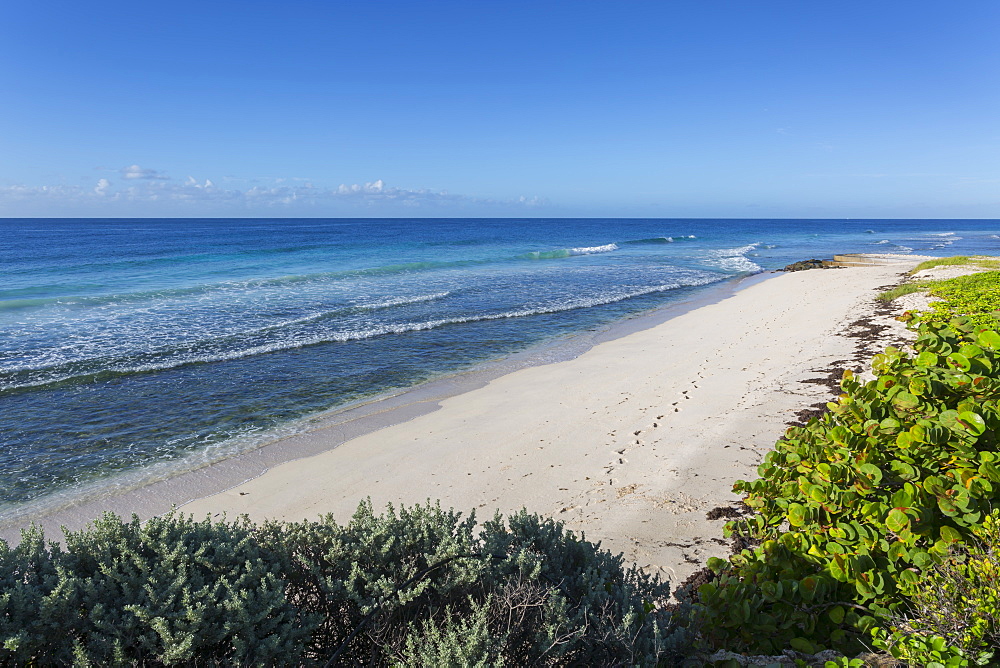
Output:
x,y
136,349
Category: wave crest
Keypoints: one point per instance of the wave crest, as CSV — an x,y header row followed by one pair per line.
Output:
x,y
165,360
569,252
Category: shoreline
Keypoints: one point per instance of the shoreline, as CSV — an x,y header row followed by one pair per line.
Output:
x,y
631,442
626,445
338,425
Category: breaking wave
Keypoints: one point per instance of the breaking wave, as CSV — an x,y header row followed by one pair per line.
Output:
x,y
734,259
223,348
568,252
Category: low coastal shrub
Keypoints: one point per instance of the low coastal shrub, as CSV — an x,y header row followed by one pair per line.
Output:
x,y
413,586
955,260
975,296
984,261
907,288
853,510
166,592
951,617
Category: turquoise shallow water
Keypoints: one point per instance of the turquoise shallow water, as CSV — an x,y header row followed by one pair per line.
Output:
x,y
130,342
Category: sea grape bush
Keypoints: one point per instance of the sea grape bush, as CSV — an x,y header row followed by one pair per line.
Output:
x,y
417,586
852,510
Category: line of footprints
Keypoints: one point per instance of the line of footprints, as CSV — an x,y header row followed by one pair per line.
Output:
x,y
621,459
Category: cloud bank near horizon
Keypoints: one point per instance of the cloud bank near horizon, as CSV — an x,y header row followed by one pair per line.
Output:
x,y
153,191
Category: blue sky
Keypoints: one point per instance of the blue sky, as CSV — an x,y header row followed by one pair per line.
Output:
x,y
687,108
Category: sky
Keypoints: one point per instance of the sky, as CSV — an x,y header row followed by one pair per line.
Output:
x,y
680,108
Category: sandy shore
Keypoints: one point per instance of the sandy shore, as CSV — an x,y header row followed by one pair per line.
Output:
x,y
631,442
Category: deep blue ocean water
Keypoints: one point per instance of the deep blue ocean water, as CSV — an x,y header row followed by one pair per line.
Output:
x,y
130,342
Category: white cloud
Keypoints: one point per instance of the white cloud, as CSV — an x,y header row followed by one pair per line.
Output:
x,y
151,193
532,201
137,172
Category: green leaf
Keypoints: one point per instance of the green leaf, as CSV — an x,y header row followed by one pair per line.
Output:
x,y
991,471
897,550
950,535
889,425
972,422
838,568
989,339
897,520
921,559
947,506
949,419
833,547
904,401
934,485
872,472
903,498
926,359
772,591
959,361
716,565
818,494
866,623
836,614
706,591
803,645
796,514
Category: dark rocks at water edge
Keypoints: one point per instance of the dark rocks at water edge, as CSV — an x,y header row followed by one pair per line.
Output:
x,y
805,264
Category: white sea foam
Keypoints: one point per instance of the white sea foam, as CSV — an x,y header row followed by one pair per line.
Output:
x,y
590,250
357,334
64,354
404,301
734,259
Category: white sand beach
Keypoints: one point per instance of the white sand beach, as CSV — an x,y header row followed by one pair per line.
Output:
x,y
631,442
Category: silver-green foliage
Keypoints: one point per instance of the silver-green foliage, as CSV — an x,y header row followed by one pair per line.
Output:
x,y
422,582
409,586
166,592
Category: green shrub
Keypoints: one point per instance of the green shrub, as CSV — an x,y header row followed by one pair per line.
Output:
x,y
415,586
941,261
34,602
905,289
544,595
976,296
170,591
981,261
952,612
854,508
